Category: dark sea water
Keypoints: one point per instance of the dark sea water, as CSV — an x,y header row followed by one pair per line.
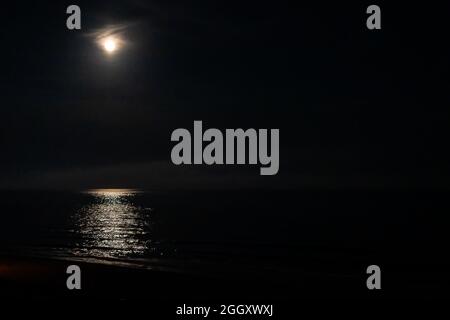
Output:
x,y
286,229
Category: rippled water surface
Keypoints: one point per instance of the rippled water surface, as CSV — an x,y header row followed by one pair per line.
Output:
x,y
275,226
112,225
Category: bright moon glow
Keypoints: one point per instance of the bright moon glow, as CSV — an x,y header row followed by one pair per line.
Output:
x,y
110,45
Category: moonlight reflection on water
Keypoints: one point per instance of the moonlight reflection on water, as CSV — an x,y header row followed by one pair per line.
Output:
x,y
112,225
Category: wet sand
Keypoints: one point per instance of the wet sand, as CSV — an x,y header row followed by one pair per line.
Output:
x,y
45,278
41,278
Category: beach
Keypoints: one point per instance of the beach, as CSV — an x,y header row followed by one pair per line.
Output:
x,y
39,278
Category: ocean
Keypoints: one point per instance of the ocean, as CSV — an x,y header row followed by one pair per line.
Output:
x,y
279,231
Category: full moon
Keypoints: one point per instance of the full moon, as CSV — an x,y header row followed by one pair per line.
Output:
x,y
110,39
110,45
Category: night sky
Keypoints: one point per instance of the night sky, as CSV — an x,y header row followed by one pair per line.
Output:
x,y
355,108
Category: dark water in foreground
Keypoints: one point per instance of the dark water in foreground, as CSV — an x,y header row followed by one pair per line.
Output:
x,y
282,228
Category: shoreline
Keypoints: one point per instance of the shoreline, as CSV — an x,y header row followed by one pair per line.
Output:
x,y
39,278
45,278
